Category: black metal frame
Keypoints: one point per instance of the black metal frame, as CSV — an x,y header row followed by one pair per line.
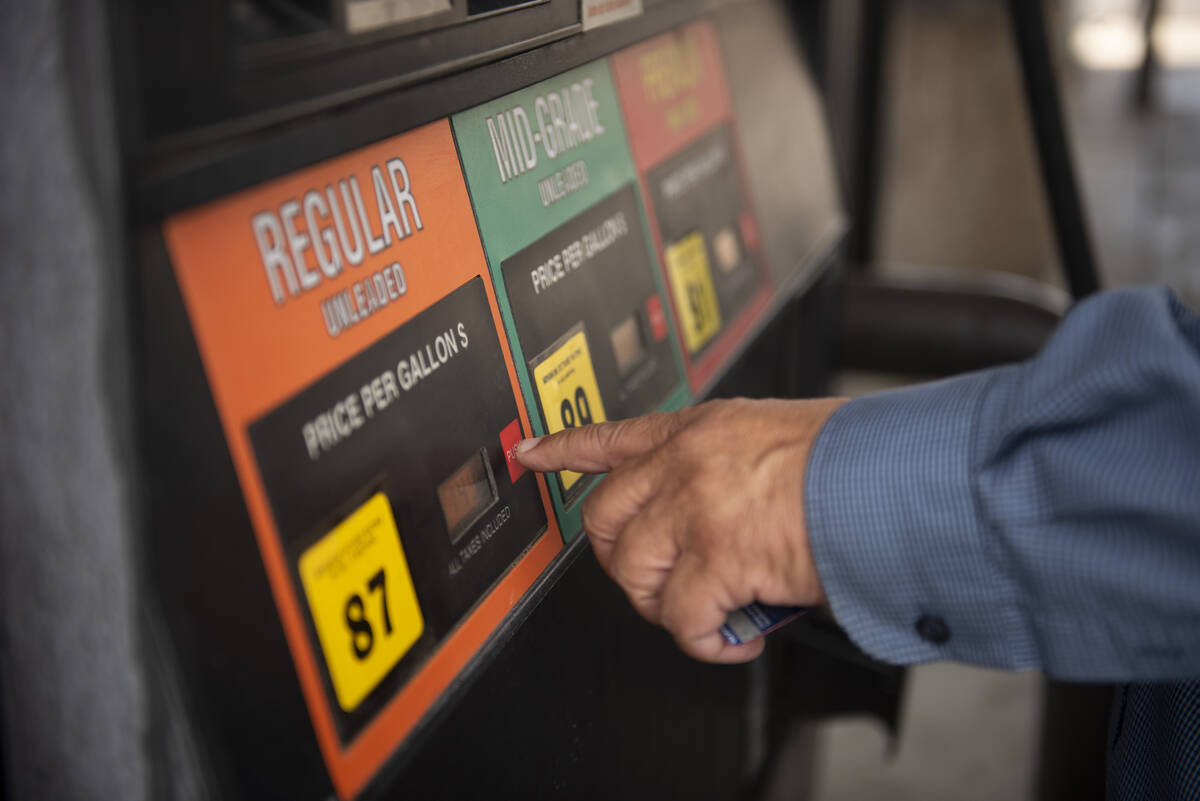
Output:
x,y
222,154
869,105
1053,147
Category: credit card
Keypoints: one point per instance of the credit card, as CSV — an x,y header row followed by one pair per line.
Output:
x,y
755,619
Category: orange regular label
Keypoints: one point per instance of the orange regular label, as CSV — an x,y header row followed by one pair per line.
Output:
x,y
287,283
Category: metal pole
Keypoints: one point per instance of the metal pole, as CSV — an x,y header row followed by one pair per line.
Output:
x,y
1054,153
1143,89
868,122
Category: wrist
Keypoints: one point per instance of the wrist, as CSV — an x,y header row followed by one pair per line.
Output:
x,y
816,414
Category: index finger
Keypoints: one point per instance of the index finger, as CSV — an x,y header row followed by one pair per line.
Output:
x,y
600,447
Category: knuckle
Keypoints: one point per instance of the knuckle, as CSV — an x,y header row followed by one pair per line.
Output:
x,y
606,435
717,408
596,437
707,540
590,516
699,501
630,562
663,424
622,571
682,455
645,603
668,615
688,440
702,545
697,440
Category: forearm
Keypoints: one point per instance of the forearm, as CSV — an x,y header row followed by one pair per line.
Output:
x,y
1048,512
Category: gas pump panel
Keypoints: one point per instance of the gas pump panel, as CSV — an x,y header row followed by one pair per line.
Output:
x,y
373,257
563,225
681,128
352,339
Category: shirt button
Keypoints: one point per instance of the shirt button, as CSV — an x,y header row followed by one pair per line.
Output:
x,y
932,628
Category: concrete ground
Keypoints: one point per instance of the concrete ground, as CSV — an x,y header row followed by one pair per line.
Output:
x,y
967,734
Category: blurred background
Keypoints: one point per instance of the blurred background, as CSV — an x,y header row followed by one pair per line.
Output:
x,y
960,189
960,184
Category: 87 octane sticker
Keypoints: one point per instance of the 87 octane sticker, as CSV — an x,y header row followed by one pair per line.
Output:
x,y
362,600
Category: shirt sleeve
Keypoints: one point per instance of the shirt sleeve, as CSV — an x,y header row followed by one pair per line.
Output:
x,y
1045,514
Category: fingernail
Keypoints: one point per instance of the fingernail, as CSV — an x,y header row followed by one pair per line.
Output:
x,y
526,445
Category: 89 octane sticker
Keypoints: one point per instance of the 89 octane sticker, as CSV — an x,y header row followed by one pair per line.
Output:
x,y
567,387
362,600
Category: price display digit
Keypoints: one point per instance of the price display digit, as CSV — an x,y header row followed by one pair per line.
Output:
x,y
362,600
692,285
567,387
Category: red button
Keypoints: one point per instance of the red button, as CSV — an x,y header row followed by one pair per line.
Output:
x,y
509,438
658,320
749,230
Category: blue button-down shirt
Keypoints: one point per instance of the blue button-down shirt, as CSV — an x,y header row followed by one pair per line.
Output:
x,y
1043,515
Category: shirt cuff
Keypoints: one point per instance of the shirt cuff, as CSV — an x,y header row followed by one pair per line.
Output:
x,y
906,560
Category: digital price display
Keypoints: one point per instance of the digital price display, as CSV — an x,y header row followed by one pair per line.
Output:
x,y
563,225
354,345
467,494
629,343
681,130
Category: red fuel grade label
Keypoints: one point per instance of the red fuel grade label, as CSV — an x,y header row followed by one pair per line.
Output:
x,y
354,347
684,142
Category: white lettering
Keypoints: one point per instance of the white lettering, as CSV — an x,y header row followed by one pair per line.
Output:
x,y
299,242
328,257
404,197
274,259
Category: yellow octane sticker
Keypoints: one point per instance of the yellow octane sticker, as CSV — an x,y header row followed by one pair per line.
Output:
x,y
692,285
567,388
362,600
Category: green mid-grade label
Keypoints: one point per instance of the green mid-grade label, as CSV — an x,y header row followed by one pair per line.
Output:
x,y
564,228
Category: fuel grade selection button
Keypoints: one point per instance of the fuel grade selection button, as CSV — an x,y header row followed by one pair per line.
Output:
x,y
362,600
510,438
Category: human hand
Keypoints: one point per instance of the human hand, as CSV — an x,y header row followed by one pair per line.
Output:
x,y
702,511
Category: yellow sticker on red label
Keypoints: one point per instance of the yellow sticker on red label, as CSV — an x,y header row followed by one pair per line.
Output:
x,y
567,387
362,600
692,285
